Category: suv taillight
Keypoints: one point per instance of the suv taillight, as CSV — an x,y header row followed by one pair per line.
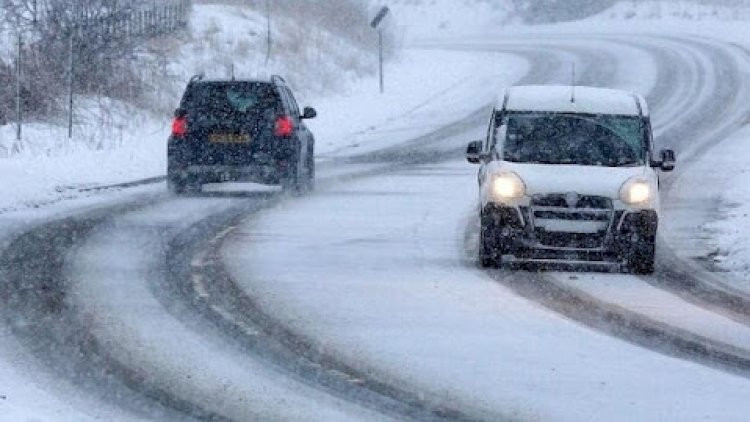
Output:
x,y
179,126
284,126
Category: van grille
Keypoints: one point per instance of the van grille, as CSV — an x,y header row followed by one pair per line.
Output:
x,y
551,213
560,201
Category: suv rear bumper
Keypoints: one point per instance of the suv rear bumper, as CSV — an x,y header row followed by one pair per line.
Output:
x,y
525,242
260,167
264,174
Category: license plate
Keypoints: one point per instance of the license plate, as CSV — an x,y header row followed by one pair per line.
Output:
x,y
222,138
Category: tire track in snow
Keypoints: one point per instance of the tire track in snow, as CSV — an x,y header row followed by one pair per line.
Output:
x,y
37,308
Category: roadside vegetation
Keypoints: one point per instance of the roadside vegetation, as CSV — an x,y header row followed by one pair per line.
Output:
x,y
121,50
134,58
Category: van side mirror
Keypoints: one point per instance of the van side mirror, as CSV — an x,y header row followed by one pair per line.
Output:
x,y
180,113
309,113
474,152
667,160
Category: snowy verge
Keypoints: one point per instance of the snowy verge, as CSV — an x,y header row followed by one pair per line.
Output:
x,y
425,90
114,145
719,238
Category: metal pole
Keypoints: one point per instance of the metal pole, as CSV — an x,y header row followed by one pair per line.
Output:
x,y
382,78
71,81
19,74
268,31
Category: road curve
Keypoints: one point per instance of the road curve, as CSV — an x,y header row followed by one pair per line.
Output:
x,y
61,302
687,87
58,280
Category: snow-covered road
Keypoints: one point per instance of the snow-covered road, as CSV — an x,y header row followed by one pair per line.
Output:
x,y
397,296
379,275
362,302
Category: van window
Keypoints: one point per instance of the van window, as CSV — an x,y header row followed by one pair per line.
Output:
x,y
562,138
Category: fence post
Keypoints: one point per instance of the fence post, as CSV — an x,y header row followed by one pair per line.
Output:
x,y
19,74
71,80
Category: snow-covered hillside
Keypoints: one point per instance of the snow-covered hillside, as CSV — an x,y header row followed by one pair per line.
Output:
x,y
116,142
227,39
675,10
420,19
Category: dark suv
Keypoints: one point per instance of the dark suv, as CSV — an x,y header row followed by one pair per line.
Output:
x,y
240,130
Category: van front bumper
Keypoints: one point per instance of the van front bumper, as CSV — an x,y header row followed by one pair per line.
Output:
x,y
604,235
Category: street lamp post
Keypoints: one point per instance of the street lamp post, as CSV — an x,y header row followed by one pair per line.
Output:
x,y
376,24
381,60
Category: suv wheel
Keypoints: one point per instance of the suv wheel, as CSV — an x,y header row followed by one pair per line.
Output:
x,y
291,182
181,186
176,186
641,257
175,183
310,172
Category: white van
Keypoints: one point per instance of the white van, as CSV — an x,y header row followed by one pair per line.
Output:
x,y
569,175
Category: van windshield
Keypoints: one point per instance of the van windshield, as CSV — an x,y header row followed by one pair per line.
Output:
x,y
562,138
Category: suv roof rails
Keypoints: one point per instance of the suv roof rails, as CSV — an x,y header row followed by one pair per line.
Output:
x,y
278,80
197,78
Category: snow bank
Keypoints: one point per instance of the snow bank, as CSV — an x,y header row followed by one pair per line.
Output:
x,y
727,233
113,143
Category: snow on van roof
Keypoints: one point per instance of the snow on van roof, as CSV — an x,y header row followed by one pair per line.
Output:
x,y
557,98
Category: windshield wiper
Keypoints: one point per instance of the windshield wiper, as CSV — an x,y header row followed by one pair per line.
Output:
x,y
627,163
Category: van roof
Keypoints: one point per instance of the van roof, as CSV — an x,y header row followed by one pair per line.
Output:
x,y
558,98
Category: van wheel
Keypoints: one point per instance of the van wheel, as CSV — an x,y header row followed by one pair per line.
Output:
x,y
490,249
641,258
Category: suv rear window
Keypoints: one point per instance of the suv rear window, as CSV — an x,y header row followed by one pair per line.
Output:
x,y
232,100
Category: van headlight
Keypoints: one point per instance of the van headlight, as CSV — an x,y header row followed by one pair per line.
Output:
x,y
636,192
507,186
